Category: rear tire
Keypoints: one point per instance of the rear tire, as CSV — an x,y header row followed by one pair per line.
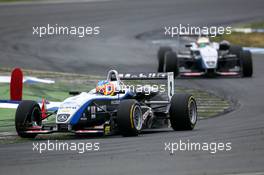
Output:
x,y
161,56
129,118
183,112
171,63
246,63
27,112
234,49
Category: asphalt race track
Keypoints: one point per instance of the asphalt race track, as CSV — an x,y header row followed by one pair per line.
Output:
x,y
117,47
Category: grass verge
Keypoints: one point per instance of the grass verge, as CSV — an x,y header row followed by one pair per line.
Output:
x,y
244,39
253,25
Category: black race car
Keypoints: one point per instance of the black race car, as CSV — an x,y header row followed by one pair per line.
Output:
x,y
205,58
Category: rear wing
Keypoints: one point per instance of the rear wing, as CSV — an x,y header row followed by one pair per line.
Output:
x,y
169,76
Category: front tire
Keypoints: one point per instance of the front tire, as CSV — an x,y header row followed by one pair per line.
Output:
x,y
171,63
183,112
161,55
129,118
27,112
246,63
234,49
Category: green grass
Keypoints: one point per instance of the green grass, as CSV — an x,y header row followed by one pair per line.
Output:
x,y
52,92
7,120
244,39
254,25
5,113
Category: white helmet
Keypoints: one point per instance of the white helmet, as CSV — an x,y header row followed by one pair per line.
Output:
x,y
202,42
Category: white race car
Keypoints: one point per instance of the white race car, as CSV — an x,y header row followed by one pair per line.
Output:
x,y
206,58
110,108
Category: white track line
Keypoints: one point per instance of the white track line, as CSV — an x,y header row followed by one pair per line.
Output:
x,y
255,49
248,30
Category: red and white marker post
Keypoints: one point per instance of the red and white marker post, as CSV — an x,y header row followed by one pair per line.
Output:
x,y
16,85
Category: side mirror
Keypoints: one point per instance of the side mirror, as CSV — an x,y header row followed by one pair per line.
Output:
x,y
74,93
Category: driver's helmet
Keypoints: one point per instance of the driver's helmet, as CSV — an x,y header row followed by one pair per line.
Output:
x,y
203,42
105,87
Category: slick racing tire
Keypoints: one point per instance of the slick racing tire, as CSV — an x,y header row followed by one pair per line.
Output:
x,y
27,112
246,63
161,54
183,112
129,118
171,63
234,49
